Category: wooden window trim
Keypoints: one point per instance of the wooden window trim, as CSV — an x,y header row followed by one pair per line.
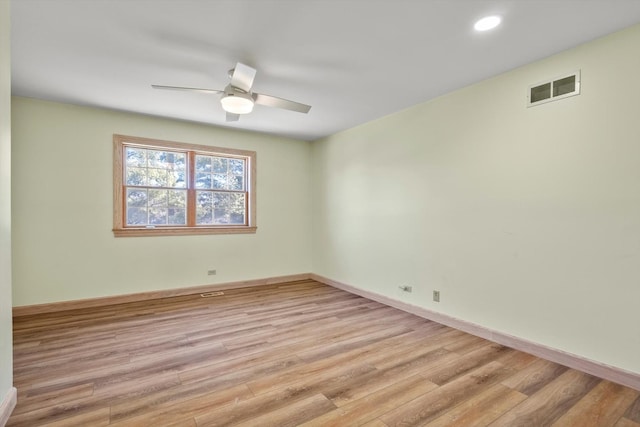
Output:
x,y
119,228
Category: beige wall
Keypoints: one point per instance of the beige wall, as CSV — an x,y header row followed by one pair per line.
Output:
x,y
526,219
6,363
63,247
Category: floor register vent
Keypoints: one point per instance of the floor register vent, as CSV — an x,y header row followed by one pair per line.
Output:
x,y
211,294
554,90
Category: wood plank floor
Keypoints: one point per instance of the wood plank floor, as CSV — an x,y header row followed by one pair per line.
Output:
x,y
294,354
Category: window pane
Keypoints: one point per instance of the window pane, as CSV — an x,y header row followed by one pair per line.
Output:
x,y
137,216
156,207
204,197
204,207
177,179
228,174
136,176
136,157
237,208
177,216
220,165
220,208
220,181
236,183
180,161
157,178
177,199
158,198
203,180
203,163
236,218
236,167
220,216
157,216
204,216
136,197
155,168
220,200
166,160
153,157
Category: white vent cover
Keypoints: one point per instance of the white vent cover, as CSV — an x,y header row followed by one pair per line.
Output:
x,y
553,90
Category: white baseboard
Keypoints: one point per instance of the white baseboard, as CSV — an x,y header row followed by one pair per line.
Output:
x,y
7,405
611,373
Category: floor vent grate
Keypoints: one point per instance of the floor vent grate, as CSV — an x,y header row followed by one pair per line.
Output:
x,y
211,294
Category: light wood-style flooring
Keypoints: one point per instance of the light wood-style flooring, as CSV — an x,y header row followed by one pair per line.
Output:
x,y
296,354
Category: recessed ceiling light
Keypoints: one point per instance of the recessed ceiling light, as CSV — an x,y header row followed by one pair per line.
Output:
x,y
487,23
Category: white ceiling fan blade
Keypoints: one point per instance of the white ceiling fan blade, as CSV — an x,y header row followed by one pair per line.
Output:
x,y
243,76
192,89
232,117
273,101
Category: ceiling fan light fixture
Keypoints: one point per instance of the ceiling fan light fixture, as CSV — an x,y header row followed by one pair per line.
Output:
x,y
238,98
237,103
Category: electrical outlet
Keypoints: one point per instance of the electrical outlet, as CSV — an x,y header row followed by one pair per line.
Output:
x,y
436,296
211,273
406,288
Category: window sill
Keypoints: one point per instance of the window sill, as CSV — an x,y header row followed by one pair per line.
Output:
x,y
181,231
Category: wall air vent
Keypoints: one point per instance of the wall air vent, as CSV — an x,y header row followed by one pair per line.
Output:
x,y
553,90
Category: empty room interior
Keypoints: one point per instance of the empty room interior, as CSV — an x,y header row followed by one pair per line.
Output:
x,y
319,213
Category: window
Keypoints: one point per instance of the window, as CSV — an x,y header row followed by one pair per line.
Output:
x,y
171,188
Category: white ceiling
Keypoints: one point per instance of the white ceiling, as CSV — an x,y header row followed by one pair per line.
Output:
x,y
352,60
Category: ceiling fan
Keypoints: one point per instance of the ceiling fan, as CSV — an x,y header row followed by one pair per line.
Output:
x,y
237,98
